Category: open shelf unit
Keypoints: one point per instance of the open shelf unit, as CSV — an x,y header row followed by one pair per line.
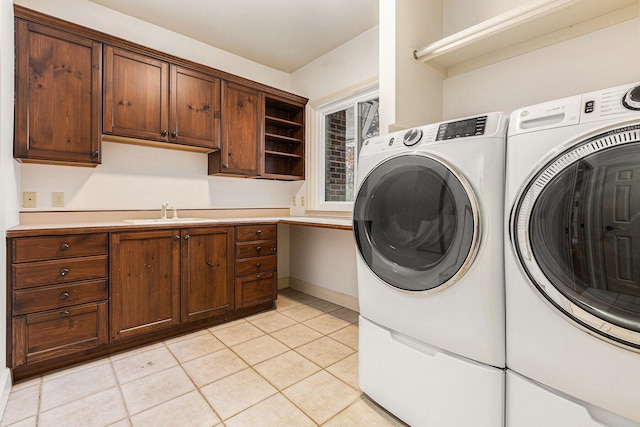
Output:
x,y
534,25
284,145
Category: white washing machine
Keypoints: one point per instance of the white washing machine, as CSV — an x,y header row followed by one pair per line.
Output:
x,y
572,261
428,224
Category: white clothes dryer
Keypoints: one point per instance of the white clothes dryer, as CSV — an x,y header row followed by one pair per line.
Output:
x,y
428,225
572,257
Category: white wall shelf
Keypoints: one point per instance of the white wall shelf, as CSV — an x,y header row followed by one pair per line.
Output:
x,y
532,26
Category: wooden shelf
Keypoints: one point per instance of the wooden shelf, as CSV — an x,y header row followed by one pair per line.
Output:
x,y
282,137
282,154
282,122
283,145
532,26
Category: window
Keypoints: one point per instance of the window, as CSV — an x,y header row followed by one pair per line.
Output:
x,y
343,126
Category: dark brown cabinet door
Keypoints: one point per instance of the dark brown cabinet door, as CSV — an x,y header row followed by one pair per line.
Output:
x,y
241,132
58,93
136,95
145,282
207,278
195,108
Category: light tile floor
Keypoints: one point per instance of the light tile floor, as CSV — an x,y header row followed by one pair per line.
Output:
x,y
293,366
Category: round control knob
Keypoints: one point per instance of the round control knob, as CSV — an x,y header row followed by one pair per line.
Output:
x,y
631,99
412,137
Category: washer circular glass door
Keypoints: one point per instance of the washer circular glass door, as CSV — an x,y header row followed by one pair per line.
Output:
x,y
576,230
416,223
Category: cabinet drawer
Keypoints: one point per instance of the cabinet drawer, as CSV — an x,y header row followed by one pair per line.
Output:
x,y
255,289
247,233
58,296
28,275
256,265
56,247
256,249
43,336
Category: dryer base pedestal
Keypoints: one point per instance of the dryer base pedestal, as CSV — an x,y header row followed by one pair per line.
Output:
x,y
424,386
530,404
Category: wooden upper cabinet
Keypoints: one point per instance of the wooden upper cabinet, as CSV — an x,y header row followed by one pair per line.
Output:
x,y
195,108
241,132
136,95
149,99
58,96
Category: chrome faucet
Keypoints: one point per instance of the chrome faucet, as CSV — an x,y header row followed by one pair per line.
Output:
x,y
163,210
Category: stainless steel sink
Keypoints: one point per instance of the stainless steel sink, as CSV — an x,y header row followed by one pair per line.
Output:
x,y
143,221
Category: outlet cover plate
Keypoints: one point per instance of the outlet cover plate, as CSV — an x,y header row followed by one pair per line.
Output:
x,y
28,199
57,199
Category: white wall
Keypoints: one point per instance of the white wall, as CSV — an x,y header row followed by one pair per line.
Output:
x,y
323,257
410,93
8,176
601,59
134,177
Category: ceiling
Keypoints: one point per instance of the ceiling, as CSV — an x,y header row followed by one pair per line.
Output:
x,y
281,34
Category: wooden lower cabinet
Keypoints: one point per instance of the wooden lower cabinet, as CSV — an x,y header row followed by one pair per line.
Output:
x,y
47,335
256,264
207,276
76,295
145,282
58,296
256,289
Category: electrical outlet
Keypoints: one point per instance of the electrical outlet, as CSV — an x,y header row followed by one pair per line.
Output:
x,y
293,201
28,199
301,200
57,199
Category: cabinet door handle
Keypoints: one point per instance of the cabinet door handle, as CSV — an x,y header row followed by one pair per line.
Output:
x,y
164,132
64,295
174,134
64,314
209,263
258,265
95,153
64,271
225,165
64,246
187,237
176,237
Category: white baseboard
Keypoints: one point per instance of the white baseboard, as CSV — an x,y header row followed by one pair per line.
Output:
x,y
335,297
283,282
5,389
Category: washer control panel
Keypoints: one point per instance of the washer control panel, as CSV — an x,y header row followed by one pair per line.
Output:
x,y
462,128
485,126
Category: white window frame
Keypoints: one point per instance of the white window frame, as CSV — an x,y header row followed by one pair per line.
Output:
x,y
316,125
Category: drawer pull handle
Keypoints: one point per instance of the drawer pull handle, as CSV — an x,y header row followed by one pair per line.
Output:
x,y
64,295
258,248
258,277
209,263
259,232
258,265
64,246
64,271
64,314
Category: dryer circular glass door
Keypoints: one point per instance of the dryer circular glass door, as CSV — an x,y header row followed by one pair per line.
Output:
x,y
576,231
415,221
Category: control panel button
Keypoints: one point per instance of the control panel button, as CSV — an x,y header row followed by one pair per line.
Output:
x,y
589,106
412,137
631,99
